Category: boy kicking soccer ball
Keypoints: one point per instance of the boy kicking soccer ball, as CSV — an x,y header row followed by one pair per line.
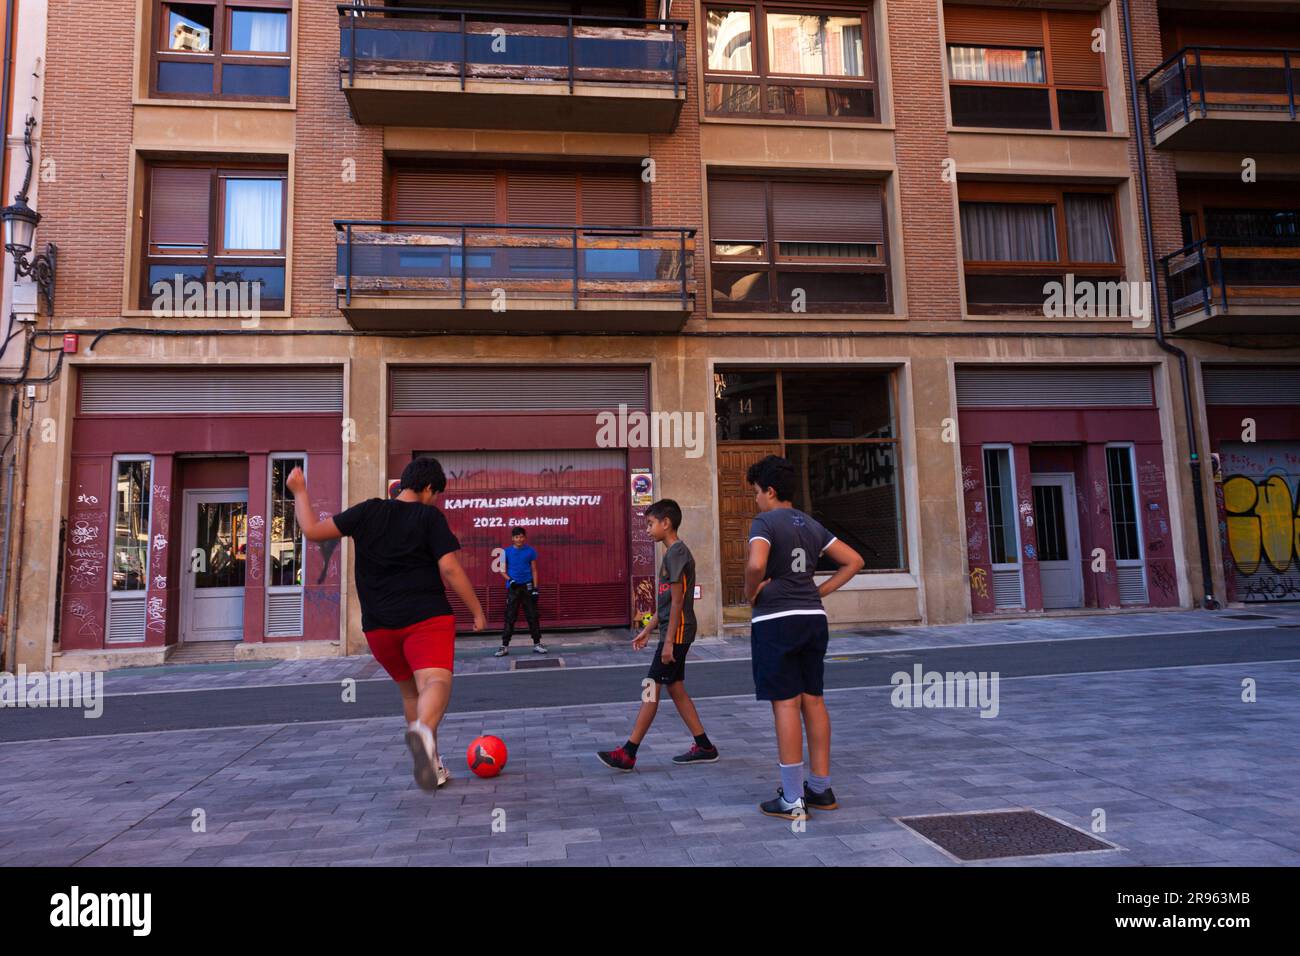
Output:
x,y
789,635
676,624
406,559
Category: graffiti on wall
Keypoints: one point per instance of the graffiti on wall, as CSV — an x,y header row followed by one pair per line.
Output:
x,y
1262,530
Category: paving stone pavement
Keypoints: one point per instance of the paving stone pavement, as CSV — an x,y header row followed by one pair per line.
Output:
x,y
605,648
1185,772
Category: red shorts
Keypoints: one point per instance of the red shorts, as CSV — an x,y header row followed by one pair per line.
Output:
x,y
427,643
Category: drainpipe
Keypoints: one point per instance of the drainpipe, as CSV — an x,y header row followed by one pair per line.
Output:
x,y
1208,600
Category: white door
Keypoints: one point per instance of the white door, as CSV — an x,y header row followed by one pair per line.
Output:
x,y
1056,521
215,537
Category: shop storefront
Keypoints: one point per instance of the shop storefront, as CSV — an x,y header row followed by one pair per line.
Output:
x,y
528,447
179,527
1253,416
1065,493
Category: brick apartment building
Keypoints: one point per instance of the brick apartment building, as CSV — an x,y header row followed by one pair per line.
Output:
x,y
820,229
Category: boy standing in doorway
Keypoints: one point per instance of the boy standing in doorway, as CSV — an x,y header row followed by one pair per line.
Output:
x,y
405,560
521,589
789,632
676,624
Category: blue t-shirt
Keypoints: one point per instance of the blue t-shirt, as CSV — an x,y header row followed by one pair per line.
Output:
x,y
519,564
796,542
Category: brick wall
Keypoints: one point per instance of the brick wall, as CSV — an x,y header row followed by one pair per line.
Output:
x,y
921,144
87,134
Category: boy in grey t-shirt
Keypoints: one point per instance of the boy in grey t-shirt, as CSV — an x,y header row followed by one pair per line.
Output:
x,y
675,620
789,634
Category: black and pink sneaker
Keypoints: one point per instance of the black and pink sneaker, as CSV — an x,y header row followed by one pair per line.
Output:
x,y
616,759
697,754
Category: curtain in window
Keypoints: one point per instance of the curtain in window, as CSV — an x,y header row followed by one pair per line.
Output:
x,y
851,44
253,214
259,32
1008,232
1088,228
995,66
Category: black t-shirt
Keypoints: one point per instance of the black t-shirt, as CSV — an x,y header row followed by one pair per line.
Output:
x,y
398,544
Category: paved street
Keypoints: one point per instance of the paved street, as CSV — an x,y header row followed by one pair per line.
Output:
x,y
1150,729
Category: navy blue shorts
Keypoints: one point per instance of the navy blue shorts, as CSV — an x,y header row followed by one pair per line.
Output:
x,y
789,656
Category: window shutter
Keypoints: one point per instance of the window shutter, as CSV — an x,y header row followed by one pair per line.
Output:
x,y
827,212
444,195
611,199
535,198
1072,61
737,210
179,202
992,26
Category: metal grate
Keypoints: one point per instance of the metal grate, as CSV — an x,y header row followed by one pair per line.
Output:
x,y
1132,581
536,663
518,389
1007,589
284,614
1252,385
1251,617
996,834
210,391
125,620
1002,386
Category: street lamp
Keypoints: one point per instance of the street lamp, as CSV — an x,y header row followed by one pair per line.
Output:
x,y
20,222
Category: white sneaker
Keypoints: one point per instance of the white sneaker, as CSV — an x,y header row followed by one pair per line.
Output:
x,y
420,741
443,773
539,648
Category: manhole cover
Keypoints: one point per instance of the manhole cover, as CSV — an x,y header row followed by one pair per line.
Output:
x,y
989,835
536,663
1251,617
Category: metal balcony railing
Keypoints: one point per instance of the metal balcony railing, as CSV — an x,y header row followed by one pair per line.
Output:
x,y
1198,79
456,260
1212,275
503,44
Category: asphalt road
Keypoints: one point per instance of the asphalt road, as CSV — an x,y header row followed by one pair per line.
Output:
x,y
296,703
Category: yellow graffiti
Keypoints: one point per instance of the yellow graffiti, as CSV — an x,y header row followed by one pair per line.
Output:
x,y
1263,522
979,582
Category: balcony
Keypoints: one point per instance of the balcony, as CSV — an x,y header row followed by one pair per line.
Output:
x,y
1224,98
477,277
1220,288
418,66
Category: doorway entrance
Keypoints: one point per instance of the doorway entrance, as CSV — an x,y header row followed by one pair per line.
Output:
x,y
214,535
1056,516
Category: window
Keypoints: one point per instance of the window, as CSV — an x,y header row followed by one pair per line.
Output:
x,y
794,246
1016,238
845,450
131,497
1024,69
284,554
773,60
215,224
1000,499
219,48
1123,504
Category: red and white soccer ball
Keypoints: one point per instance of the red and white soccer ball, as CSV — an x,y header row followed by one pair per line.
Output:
x,y
487,755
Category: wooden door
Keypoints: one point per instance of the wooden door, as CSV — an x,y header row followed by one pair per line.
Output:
x,y
735,512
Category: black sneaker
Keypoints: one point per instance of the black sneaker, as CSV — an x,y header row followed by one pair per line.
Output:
x,y
697,754
616,759
819,801
779,806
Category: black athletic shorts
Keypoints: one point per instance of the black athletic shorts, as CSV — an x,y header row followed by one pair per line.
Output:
x,y
662,673
789,656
